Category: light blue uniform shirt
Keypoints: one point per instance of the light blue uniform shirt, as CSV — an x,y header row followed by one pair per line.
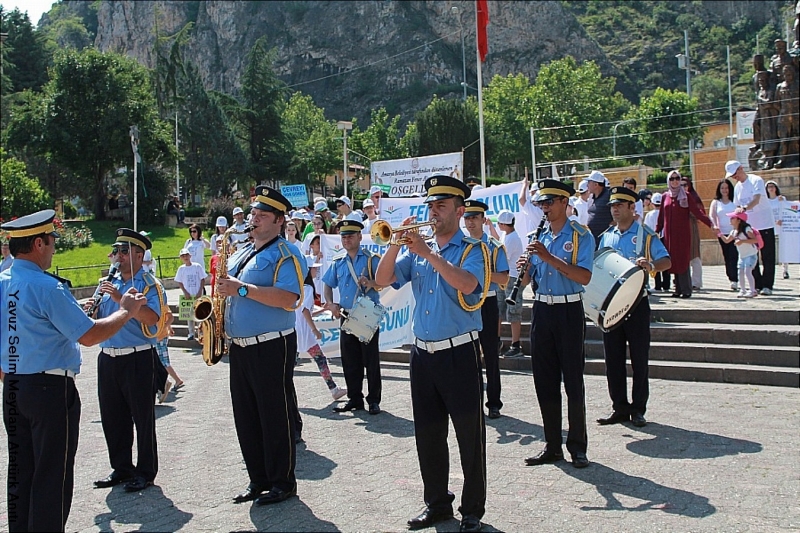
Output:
x,y
245,317
41,322
437,313
131,333
338,276
501,265
550,280
625,244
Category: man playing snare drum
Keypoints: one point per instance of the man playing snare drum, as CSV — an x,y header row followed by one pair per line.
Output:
x,y
353,273
642,246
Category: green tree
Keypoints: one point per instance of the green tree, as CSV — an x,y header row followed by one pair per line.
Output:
x,y
26,52
578,103
507,112
84,117
381,140
666,121
312,143
450,126
21,194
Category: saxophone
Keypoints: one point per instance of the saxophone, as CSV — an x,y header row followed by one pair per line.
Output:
x,y
210,311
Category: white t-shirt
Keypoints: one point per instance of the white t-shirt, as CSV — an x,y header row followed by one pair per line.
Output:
x,y
531,215
514,249
305,337
239,237
723,220
760,217
191,276
651,219
197,249
745,250
582,208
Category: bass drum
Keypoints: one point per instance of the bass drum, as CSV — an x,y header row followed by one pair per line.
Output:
x,y
616,287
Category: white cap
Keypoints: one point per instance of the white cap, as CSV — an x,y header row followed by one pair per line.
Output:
x,y
731,167
222,221
656,199
375,189
583,186
572,200
298,215
344,200
148,256
368,203
597,177
238,210
321,205
307,216
505,217
477,187
184,251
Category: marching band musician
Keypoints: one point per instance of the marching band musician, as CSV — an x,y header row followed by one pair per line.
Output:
x,y
264,284
561,264
641,245
353,272
447,278
474,219
40,357
126,370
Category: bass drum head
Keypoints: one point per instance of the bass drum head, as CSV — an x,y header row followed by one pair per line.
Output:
x,y
623,298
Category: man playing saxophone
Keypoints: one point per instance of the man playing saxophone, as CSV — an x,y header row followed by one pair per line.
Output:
x,y
263,287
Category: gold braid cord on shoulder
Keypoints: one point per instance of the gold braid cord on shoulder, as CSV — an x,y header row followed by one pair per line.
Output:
x,y
299,272
487,272
162,326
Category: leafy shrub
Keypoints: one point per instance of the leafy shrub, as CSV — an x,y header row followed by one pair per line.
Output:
x,y
219,207
72,236
19,194
658,176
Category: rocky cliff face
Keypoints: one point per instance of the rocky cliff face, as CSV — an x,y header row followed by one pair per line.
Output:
x,y
353,56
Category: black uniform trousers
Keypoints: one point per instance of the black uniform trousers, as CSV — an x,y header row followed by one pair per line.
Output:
x,y
634,333
41,413
356,356
764,272
448,383
557,333
489,336
264,410
125,390
731,256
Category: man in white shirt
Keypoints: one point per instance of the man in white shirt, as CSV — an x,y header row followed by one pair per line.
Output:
x,y
345,210
531,213
369,209
582,202
375,194
750,196
239,224
191,278
513,313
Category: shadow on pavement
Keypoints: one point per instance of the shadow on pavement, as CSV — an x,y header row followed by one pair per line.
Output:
x,y
610,483
163,409
291,515
151,509
671,442
386,423
510,429
311,465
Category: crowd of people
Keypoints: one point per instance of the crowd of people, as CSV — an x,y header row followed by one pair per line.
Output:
x,y
466,272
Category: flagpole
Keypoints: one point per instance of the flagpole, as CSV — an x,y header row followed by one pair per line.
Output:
x,y
480,97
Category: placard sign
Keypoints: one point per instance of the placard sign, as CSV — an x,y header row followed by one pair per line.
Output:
x,y
185,308
296,194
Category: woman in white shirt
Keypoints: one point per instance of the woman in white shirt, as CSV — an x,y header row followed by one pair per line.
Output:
x,y
197,244
777,203
721,206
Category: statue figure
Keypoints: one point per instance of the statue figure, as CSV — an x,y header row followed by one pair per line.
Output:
x,y
765,123
787,95
778,60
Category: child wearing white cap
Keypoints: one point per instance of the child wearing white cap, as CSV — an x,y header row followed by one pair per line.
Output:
x,y
191,278
221,228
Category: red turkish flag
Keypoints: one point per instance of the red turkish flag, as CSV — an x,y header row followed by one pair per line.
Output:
x,y
482,21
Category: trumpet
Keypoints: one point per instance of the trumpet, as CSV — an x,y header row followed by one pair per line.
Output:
x,y
383,233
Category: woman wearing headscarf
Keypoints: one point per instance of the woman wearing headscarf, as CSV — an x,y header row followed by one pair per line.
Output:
x,y
674,220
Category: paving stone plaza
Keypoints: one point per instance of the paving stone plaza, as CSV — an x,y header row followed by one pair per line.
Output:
x,y
713,457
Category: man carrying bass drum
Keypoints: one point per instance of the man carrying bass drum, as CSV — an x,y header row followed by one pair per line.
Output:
x,y
641,245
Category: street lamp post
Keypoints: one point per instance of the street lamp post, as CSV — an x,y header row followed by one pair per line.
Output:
x,y
344,126
685,63
614,136
135,147
456,11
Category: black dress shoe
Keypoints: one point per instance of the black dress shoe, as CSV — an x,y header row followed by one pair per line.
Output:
x,y
374,408
494,412
136,484
114,478
637,419
617,417
428,518
351,405
579,460
545,457
252,492
275,496
470,523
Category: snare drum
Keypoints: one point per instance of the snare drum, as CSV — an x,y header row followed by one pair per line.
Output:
x,y
616,287
364,319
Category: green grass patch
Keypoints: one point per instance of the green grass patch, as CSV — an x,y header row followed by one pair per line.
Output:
x,y
84,266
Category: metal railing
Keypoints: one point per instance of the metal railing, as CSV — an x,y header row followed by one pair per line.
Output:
x,y
89,275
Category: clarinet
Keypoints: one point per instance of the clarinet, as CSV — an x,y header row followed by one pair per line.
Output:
x,y
98,296
512,298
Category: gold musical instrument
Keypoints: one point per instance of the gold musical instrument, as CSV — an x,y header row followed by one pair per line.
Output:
x,y
382,232
210,311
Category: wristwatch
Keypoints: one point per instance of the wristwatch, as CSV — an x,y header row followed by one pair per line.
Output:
x,y
243,290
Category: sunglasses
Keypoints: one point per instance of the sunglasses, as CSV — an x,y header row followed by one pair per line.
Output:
x,y
120,250
547,202
684,184
674,178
